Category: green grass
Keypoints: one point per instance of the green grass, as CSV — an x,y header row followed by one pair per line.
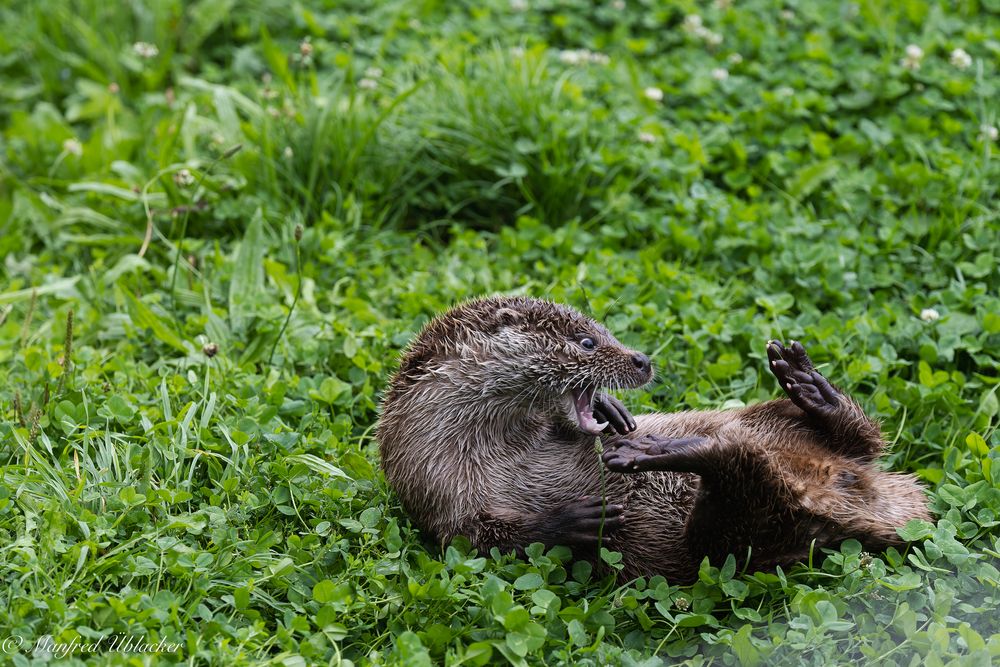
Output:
x,y
433,151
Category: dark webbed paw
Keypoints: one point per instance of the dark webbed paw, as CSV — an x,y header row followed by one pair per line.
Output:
x,y
653,452
578,523
809,390
609,409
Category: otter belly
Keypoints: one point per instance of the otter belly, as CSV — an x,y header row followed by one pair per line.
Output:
x,y
657,505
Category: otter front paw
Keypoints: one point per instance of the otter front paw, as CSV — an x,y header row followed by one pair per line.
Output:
x,y
809,390
579,523
609,409
653,452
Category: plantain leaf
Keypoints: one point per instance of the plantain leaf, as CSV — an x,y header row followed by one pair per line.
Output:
x,y
247,284
144,318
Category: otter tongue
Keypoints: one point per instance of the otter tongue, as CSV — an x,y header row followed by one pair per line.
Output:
x,y
583,400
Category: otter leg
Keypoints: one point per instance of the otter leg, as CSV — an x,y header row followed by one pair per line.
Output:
x,y
850,430
799,379
653,452
609,409
576,525
742,506
579,523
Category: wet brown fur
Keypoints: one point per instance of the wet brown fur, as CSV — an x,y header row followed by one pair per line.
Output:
x,y
476,441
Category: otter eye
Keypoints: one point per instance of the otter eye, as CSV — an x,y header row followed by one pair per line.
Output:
x,y
587,343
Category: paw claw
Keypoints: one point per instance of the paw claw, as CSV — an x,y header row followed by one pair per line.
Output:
x,y
613,413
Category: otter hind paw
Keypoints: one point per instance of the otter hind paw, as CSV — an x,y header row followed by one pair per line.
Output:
x,y
797,377
609,409
653,452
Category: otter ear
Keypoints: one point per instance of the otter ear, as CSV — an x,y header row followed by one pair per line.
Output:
x,y
508,316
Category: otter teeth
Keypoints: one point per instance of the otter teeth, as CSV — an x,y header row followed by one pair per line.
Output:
x,y
583,406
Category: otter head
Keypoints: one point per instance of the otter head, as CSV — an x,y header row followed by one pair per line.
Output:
x,y
519,352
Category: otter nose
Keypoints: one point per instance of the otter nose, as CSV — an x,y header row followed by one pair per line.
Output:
x,y
640,361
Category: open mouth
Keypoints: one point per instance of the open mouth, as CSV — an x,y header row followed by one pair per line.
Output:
x,y
583,409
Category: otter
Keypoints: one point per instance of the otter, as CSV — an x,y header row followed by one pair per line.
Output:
x,y
488,431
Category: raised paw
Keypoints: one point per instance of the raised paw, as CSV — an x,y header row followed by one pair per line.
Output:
x,y
653,452
579,523
796,375
609,409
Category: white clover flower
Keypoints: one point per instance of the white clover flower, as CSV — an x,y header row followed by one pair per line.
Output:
x,y
787,15
183,178
373,72
288,153
618,4
735,59
570,57
693,24
720,74
653,93
583,56
929,315
367,84
145,50
647,137
517,51
73,147
911,61
519,5
988,132
305,48
960,59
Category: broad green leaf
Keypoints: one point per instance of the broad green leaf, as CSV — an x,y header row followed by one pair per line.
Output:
x,y
527,582
143,317
317,464
57,286
809,178
247,284
324,591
